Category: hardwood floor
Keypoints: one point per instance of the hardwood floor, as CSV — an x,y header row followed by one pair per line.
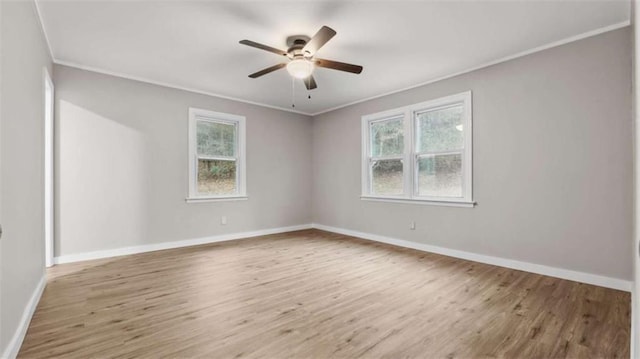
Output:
x,y
317,294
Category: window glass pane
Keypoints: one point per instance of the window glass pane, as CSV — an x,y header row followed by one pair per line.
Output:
x,y
386,177
440,130
216,177
387,138
440,175
216,139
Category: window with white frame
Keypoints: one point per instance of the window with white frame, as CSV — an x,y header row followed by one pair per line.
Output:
x,y
216,155
421,152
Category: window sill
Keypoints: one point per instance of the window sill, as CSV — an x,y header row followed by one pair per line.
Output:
x,y
419,201
216,199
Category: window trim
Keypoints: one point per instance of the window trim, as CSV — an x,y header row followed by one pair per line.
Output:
x,y
410,156
197,114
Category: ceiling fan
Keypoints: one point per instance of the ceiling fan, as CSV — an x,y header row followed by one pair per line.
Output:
x,y
301,57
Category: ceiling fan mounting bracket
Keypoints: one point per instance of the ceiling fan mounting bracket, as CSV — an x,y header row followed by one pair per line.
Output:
x,y
297,40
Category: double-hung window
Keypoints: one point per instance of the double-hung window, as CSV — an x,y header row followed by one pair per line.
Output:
x,y
385,163
420,153
216,155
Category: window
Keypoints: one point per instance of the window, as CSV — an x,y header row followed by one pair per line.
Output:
x,y
419,153
216,156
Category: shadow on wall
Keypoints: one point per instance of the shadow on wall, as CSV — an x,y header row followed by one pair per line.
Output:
x,y
102,177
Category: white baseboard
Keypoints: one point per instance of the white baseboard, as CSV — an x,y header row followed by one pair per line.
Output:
x,y
582,277
69,258
16,341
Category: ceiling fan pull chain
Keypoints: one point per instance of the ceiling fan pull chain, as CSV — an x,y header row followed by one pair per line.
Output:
x,y
293,93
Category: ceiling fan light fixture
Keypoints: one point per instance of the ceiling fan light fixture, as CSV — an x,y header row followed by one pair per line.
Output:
x,y
300,68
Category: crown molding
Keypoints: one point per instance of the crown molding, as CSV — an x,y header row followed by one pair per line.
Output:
x,y
44,31
172,86
491,63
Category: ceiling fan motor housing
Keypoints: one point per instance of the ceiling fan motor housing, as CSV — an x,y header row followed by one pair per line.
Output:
x,y
296,43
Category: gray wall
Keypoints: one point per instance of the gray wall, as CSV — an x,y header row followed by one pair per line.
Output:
x,y
552,162
122,169
24,54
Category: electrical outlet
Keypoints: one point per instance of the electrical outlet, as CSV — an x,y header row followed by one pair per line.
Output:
x,y
412,226
223,220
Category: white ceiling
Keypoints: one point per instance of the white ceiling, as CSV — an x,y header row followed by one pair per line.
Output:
x,y
194,44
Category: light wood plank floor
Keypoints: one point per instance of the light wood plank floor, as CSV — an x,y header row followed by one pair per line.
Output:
x,y
317,294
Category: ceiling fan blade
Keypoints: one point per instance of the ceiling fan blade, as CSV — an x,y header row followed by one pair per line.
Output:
x,y
263,47
319,39
267,70
340,66
310,82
